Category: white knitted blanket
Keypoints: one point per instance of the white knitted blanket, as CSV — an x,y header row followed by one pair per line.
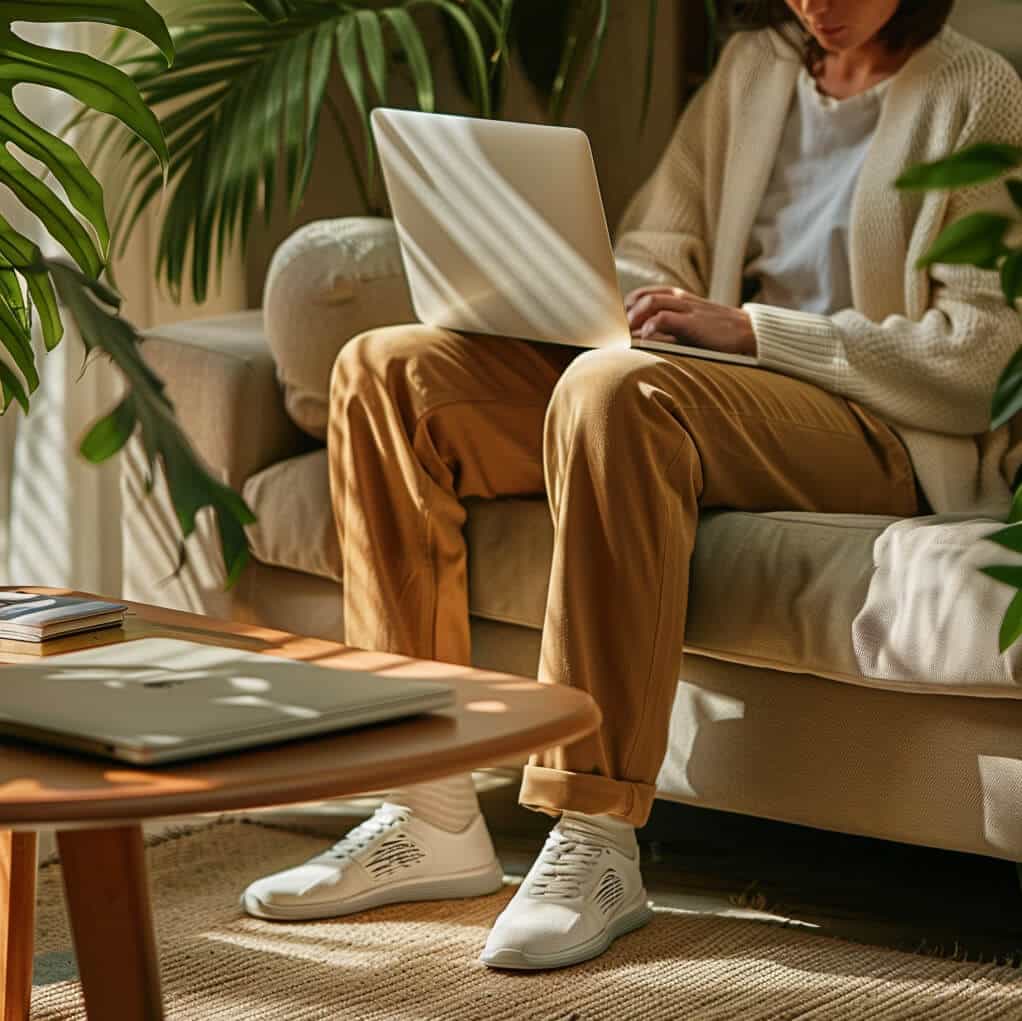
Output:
x,y
931,615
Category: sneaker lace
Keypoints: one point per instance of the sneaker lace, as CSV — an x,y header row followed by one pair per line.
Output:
x,y
383,819
567,860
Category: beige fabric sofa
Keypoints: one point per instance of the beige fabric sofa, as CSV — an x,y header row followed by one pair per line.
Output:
x,y
772,717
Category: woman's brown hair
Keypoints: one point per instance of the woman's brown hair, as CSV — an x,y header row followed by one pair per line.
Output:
x,y
914,23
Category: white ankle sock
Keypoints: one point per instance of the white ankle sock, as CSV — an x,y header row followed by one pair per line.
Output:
x,y
450,804
621,833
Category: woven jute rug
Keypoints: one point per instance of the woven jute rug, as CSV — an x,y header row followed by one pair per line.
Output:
x,y
418,962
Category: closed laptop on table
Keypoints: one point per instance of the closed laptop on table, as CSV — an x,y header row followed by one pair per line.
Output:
x,y
159,700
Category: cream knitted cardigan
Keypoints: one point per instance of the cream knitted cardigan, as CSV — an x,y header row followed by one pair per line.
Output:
x,y
921,349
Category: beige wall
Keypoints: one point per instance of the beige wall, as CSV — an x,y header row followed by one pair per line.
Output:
x,y
609,113
996,23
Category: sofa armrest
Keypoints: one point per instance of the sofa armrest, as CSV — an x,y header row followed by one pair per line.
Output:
x,y
221,377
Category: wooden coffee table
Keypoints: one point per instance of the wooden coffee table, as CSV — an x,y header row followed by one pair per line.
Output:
x,y
98,807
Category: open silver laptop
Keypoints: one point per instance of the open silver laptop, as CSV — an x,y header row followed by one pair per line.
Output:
x,y
159,700
502,231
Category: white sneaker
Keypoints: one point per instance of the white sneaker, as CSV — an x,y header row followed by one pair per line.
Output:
x,y
393,856
583,891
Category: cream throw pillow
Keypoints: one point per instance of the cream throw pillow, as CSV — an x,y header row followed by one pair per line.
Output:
x,y
328,282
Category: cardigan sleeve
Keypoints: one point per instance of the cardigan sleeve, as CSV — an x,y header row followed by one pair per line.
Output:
x,y
937,373
662,235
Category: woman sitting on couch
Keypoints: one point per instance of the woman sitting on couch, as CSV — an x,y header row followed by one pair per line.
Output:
x,y
875,386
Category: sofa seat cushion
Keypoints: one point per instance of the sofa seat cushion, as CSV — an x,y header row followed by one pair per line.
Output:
x,y
767,589
779,590
294,525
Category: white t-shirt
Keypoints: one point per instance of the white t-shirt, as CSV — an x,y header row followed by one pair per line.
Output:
x,y
799,242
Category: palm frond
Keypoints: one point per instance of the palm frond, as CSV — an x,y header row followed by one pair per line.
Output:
x,y
560,47
651,37
241,107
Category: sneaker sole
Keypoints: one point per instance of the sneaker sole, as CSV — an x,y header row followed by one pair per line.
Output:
x,y
477,883
518,960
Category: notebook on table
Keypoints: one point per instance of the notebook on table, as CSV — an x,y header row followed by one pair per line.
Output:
x,y
32,618
158,700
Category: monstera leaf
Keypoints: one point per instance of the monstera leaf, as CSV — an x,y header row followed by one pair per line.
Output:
x,y
101,87
145,408
74,217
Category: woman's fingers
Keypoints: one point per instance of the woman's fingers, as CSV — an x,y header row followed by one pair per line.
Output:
x,y
693,320
649,305
670,323
639,293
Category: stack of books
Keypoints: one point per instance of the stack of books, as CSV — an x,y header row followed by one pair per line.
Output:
x,y
30,623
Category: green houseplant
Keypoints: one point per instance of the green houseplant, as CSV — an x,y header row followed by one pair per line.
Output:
x,y
35,290
242,104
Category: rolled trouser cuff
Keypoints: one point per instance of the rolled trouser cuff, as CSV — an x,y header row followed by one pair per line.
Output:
x,y
555,790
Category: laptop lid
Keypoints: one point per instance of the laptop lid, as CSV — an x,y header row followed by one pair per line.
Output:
x,y
502,228
160,700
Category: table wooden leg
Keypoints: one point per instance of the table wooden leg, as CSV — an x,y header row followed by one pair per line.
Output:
x,y
17,923
107,892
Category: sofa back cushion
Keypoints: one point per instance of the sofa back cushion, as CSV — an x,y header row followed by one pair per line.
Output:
x,y
328,282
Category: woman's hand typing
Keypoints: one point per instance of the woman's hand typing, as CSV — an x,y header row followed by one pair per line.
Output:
x,y
671,314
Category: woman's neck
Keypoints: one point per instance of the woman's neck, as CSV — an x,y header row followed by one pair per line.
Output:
x,y
850,72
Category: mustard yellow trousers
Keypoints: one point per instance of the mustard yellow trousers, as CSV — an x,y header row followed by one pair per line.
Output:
x,y
628,446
